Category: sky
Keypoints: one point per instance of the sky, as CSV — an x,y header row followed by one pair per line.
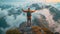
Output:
x,y
48,1
53,1
24,2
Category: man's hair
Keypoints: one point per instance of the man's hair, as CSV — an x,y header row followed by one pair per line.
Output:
x,y
28,8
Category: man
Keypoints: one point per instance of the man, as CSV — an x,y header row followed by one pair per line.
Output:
x,y
28,15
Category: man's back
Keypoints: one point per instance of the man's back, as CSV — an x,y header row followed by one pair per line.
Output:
x,y
28,14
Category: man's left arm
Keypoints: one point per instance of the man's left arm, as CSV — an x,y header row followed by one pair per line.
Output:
x,y
33,11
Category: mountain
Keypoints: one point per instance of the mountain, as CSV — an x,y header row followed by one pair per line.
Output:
x,y
15,12
3,23
54,11
5,6
36,5
41,21
1,31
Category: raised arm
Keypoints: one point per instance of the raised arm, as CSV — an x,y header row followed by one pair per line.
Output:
x,y
24,10
33,11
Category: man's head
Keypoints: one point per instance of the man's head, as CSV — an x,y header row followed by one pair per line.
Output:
x,y
28,8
